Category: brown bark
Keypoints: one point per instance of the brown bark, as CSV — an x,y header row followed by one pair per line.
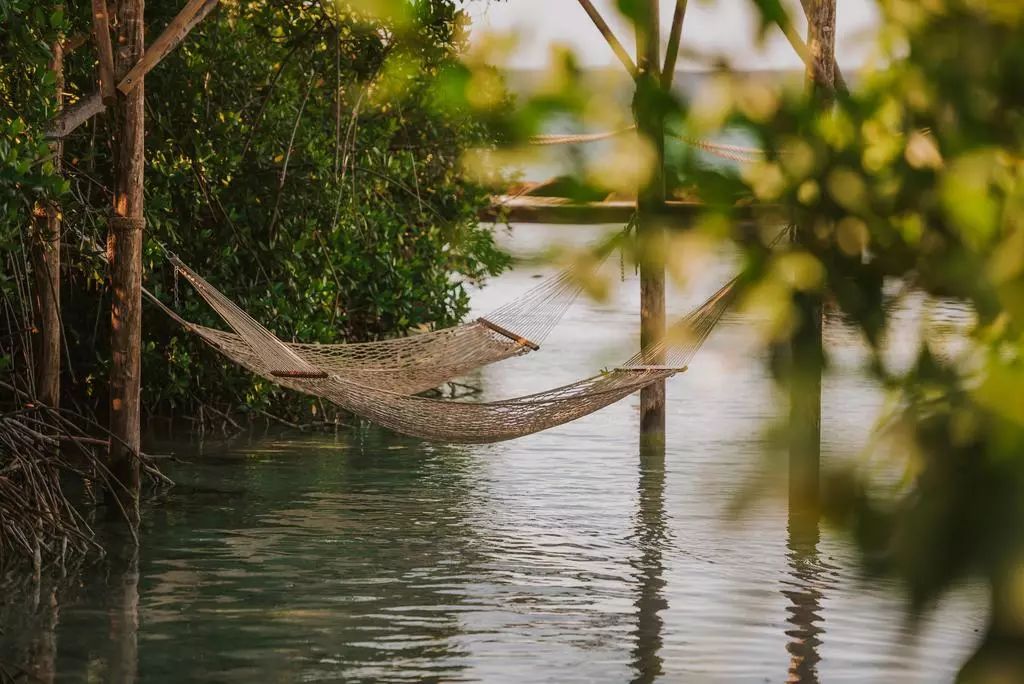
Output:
x,y
46,268
650,229
91,105
806,352
190,15
124,251
104,51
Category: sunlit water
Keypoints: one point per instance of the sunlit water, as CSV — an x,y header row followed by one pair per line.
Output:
x,y
564,556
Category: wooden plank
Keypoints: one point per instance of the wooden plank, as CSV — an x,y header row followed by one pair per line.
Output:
x,y
562,211
606,31
104,50
505,332
299,374
672,51
190,15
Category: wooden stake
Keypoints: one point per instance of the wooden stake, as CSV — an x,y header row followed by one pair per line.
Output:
x,y
672,51
190,15
124,247
46,268
650,205
101,34
606,31
806,350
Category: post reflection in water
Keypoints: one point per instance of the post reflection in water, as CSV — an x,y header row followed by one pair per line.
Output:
x,y
123,615
804,609
651,533
41,658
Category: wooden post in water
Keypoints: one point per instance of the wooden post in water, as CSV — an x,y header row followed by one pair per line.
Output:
x,y
45,243
124,251
650,126
806,353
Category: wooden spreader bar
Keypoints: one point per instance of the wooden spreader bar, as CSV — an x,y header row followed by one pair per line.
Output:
x,y
306,375
676,369
518,339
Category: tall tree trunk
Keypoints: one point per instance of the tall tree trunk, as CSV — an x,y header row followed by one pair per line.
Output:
x,y
124,250
45,243
806,352
650,206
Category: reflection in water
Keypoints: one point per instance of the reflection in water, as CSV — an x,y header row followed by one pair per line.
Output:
x,y
804,607
651,534
43,648
362,556
123,615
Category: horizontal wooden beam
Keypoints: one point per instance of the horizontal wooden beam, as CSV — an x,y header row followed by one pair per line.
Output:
x,y
564,211
190,15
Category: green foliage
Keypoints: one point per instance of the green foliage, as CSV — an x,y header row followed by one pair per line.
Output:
x,y
294,157
28,98
915,176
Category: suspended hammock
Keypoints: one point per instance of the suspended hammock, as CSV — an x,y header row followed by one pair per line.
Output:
x,y
356,390
405,365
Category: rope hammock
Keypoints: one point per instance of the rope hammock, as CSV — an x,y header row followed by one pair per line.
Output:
x,y
363,392
737,153
405,365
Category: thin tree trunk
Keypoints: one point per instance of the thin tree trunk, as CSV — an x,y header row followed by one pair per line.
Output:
x,y
806,352
124,247
650,205
46,267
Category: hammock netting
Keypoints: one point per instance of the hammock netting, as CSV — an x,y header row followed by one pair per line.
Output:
x,y
382,394
406,365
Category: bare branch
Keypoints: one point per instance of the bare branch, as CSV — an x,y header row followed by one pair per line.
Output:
x,y
606,31
672,51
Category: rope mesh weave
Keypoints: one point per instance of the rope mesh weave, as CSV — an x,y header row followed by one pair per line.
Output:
x,y
356,390
405,365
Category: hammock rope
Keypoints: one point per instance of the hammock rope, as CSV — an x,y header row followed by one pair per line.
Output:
x,y
482,422
406,365
364,394
738,153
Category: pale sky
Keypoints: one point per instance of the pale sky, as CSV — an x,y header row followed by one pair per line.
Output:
x,y
712,28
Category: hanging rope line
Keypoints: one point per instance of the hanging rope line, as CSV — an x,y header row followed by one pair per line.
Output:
x,y
737,153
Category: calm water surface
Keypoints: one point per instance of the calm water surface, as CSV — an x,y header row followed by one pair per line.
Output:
x,y
565,556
